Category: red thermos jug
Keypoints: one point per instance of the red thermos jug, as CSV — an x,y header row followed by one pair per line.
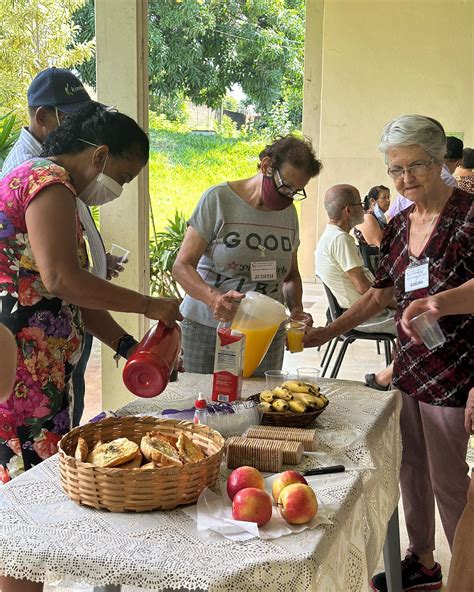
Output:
x,y
147,371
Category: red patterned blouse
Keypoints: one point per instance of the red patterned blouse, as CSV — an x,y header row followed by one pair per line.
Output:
x,y
444,375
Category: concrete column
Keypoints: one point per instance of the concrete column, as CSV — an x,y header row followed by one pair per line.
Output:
x,y
122,80
313,72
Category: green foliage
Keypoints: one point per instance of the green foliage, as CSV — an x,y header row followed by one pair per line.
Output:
x,y
183,165
8,135
34,35
164,248
200,48
227,128
230,103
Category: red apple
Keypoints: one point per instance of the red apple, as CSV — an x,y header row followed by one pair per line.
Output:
x,y
244,477
284,479
252,505
297,503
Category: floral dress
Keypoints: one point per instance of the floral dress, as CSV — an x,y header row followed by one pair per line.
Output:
x,y
48,331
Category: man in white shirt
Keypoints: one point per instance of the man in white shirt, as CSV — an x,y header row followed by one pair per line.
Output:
x,y
340,266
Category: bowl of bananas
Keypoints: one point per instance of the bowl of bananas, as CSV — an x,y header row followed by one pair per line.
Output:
x,y
294,403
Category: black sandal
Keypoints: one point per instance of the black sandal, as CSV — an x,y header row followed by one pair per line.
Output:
x,y
372,383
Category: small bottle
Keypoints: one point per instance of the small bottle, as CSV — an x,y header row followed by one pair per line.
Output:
x,y
200,413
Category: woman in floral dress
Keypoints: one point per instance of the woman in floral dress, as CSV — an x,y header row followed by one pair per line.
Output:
x,y
46,294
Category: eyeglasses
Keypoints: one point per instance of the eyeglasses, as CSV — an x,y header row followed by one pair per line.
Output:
x,y
415,170
358,203
287,191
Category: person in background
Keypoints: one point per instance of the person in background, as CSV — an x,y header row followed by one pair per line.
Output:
x,y
456,301
8,365
242,236
452,159
53,93
340,267
427,249
466,171
48,296
376,203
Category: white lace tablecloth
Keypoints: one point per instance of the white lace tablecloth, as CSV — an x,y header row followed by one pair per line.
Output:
x,y
45,535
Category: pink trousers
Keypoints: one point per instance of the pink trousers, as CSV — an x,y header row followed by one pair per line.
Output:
x,y
433,466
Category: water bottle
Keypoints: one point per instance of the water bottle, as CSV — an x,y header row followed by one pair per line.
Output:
x,y
200,410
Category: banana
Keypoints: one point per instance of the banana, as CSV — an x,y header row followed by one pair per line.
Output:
x,y
280,405
325,399
281,392
266,396
265,407
298,386
297,406
319,403
306,398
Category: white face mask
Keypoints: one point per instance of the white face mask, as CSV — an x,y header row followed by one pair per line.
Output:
x,y
102,189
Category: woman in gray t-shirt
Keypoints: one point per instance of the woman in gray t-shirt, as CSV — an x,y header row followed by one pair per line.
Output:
x,y
242,236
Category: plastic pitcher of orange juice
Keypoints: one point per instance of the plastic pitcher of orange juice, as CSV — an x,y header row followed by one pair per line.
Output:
x,y
259,318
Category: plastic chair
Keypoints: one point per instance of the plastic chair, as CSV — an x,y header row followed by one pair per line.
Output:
x,y
336,311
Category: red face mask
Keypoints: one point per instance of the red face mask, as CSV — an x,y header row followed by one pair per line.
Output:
x,y
272,198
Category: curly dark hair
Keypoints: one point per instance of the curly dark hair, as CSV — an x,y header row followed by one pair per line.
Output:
x,y
98,125
468,158
297,151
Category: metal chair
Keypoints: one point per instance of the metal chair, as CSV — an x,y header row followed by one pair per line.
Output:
x,y
336,311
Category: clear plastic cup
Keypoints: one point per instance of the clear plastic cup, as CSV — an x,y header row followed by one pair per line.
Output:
x,y
295,331
119,252
308,374
275,378
428,329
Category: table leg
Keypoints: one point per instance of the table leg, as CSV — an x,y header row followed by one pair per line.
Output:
x,y
391,555
108,588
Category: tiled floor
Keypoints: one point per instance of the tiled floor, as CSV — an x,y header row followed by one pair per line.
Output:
x,y
361,358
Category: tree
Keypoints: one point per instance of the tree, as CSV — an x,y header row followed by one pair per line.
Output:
x,y
34,35
200,48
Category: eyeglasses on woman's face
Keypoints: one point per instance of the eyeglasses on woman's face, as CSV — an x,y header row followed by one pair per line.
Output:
x,y
287,190
417,169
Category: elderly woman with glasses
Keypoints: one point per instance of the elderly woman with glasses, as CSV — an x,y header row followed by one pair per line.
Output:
x,y
426,249
243,236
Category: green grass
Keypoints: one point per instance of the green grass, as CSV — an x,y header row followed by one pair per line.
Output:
x,y
184,165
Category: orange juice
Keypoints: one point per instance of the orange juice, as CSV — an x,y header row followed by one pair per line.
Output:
x,y
295,341
257,342
294,336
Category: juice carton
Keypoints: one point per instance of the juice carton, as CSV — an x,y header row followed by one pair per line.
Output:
x,y
228,363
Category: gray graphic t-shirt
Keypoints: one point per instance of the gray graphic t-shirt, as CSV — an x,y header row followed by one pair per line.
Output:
x,y
248,249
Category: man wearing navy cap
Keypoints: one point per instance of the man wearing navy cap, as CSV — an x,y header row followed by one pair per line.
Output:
x,y
52,94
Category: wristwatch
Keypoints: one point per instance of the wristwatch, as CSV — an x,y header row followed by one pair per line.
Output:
x,y
123,347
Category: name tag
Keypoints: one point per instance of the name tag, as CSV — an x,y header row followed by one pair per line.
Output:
x,y
417,275
263,271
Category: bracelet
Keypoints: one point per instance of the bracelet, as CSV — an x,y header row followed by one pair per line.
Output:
x,y
124,344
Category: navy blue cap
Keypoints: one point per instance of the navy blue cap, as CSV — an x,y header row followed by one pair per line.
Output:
x,y
56,87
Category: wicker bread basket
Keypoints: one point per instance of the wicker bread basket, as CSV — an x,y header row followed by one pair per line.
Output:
x,y
288,418
138,490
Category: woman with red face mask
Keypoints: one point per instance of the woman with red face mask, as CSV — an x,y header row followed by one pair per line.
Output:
x,y
243,236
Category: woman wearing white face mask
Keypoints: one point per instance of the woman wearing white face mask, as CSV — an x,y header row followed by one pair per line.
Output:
x,y
47,296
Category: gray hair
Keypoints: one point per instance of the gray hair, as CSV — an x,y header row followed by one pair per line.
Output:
x,y
337,198
408,130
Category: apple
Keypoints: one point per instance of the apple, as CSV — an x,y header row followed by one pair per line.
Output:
x,y
244,477
252,505
297,503
284,479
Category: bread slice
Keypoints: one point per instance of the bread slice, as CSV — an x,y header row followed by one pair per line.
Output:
x,y
154,447
133,463
113,453
148,465
82,450
93,452
189,451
